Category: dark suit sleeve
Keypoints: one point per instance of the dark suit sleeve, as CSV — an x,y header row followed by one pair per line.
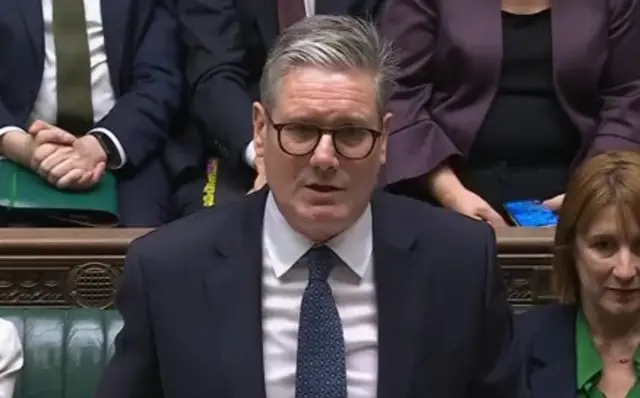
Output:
x,y
142,117
499,364
133,369
220,102
365,9
619,126
7,119
417,143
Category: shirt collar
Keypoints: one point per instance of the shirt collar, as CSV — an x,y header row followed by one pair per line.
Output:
x,y
588,362
286,246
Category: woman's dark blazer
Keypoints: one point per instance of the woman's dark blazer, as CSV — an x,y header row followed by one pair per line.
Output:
x,y
546,337
450,55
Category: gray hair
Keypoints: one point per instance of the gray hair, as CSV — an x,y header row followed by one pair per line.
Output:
x,y
334,42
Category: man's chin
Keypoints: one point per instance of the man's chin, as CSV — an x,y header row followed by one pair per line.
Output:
x,y
329,212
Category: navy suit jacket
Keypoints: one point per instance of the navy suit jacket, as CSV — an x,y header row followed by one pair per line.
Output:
x,y
227,43
191,299
142,54
547,340
450,54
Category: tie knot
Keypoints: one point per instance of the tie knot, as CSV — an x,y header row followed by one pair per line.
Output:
x,y
320,261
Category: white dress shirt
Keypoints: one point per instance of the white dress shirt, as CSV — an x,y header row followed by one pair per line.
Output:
x,y
102,95
353,289
11,358
250,151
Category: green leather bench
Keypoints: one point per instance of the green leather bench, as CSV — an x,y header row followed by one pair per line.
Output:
x,y
65,350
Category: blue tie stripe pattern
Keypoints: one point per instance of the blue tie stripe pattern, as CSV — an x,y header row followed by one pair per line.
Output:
x,y
320,371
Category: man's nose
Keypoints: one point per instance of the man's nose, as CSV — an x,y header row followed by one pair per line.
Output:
x,y
325,155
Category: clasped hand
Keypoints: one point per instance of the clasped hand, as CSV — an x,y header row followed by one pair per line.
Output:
x,y
66,161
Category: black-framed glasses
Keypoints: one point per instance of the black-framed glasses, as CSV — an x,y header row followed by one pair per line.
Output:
x,y
350,141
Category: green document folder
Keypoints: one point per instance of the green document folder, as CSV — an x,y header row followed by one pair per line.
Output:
x,y
23,191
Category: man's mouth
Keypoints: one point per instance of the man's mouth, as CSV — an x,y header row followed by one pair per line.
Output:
x,y
323,188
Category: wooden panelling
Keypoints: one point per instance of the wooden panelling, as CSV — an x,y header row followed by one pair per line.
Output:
x,y
82,267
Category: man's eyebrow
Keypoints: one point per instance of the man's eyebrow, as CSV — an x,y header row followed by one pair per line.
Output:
x,y
338,121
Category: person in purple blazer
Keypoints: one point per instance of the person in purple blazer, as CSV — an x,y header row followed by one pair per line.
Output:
x,y
500,100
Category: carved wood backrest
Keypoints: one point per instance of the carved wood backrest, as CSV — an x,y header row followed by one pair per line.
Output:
x,y
525,255
82,267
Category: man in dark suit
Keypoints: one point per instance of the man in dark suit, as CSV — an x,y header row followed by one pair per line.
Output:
x,y
87,86
227,43
316,286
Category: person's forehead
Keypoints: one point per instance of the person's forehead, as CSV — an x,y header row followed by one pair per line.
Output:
x,y
612,221
341,94
316,78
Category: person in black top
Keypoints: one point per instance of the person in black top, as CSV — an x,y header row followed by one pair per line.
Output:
x,y
526,143
499,104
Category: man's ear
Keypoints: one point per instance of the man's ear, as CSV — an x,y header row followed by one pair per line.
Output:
x,y
260,124
386,125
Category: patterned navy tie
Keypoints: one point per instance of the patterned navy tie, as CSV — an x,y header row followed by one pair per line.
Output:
x,y
320,371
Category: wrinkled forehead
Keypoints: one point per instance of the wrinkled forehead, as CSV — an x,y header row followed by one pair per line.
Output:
x,y
333,96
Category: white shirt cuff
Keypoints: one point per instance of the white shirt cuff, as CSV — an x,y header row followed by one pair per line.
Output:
x,y
116,143
250,155
5,130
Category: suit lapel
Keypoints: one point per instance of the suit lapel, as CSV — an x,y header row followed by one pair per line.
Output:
x,y
266,13
233,288
332,7
576,57
474,27
556,380
396,272
33,19
552,369
116,19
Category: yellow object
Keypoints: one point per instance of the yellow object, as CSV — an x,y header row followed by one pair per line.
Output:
x,y
209,190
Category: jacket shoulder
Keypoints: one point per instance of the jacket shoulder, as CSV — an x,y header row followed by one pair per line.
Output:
x,y
531,322
429,219
189,236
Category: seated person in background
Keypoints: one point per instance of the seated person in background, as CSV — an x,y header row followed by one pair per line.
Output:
x,y
317,286
87,86
498,101
11,358
227,43
589,345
